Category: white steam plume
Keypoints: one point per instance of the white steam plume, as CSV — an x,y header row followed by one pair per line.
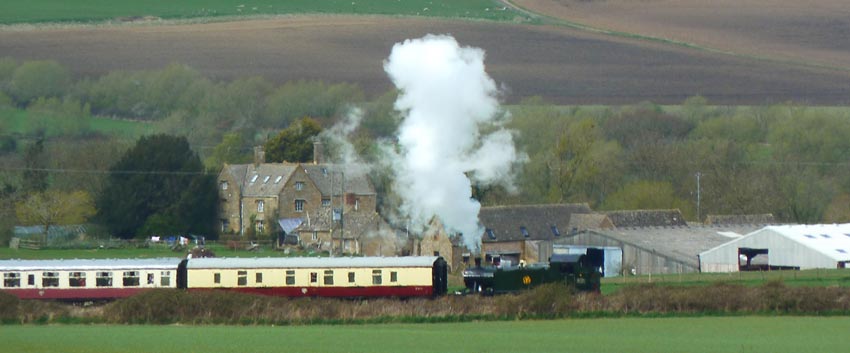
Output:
x,y
446,100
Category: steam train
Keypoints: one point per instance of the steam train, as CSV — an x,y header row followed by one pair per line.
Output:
x,y
85,280
581,271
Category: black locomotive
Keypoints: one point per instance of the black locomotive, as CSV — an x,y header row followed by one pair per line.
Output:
x,y
582,271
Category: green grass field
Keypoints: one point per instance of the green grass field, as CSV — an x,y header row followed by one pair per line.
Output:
x,y
814,278
15,121
705,334
101,10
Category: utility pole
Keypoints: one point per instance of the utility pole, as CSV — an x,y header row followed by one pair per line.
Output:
x,y
699,218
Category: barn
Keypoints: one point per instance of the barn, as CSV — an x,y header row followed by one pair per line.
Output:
x,y
782,247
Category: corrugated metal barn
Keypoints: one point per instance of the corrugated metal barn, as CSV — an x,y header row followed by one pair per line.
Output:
x,y
659,250
782,247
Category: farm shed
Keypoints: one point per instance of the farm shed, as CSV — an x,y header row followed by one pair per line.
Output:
x,y
782,247
672,249
525,232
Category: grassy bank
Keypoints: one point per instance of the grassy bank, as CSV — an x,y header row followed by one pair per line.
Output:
x,y
739,334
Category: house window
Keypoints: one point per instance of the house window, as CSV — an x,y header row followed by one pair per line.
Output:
x,y
393,276
299,185
326,202
11,280
351,277
436,253
77,279
329,277
216,278
225,225
555,230
299,205
356,204
103,279
314,277
277,180
524,231
290,277
131,278
491,234
261,206
259,277
242,278
254,178
266,179
315,236
260,227
50,279
165,278
223,185
376,277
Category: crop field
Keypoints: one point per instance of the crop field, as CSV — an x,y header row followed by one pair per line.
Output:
x,y
698,334
34,11
813,32
561,65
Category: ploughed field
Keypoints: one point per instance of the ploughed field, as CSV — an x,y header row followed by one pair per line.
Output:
x,y
560,64
814,32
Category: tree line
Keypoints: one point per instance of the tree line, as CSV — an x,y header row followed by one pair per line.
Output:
x,y
785,159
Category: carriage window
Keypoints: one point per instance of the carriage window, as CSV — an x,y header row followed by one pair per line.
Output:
x,y
150,278
131,278
104,279
11,279
393,276
216,278
77,279
314,277
242,278
50,279
30,280
290,277
165,278
329,277
376,277
351,277
259,278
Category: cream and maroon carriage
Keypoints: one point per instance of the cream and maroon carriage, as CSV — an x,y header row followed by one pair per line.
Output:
x,y
414,276
89,279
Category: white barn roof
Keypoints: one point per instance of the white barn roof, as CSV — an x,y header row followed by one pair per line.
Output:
x,y
803,246
312,262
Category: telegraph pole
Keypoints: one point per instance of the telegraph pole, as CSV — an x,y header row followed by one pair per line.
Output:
x,y
699,218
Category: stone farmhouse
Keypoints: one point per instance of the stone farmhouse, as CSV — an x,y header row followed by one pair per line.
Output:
x,y
318,205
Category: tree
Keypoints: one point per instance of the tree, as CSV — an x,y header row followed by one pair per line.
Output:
x,y
647,195
232,149
55,208
34,79
35,177
293,144
161,176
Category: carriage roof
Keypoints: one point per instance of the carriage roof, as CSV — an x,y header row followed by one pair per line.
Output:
x,y
313,262
89,264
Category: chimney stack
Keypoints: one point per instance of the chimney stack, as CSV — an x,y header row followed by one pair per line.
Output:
x,y
259,155
318,151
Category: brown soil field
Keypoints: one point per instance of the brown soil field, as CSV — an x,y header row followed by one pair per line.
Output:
x,y
562,65
811,31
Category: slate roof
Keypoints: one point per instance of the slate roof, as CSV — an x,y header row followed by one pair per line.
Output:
x,y
267,179
505,222
766,218
682,243
646,218
327,177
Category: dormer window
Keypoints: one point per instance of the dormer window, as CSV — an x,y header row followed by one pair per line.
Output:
x,y
266,179
555,231
277,180
524,231
254,178
491,234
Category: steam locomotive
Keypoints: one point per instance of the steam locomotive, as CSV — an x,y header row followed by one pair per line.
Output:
x,y
581,271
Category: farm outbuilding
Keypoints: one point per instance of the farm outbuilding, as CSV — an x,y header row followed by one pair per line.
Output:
x,y
782,247
658,250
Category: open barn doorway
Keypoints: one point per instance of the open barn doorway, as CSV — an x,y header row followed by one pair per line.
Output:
x,y
751,259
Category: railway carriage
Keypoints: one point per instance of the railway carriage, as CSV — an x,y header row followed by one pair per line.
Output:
x,y
98,279
416,276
